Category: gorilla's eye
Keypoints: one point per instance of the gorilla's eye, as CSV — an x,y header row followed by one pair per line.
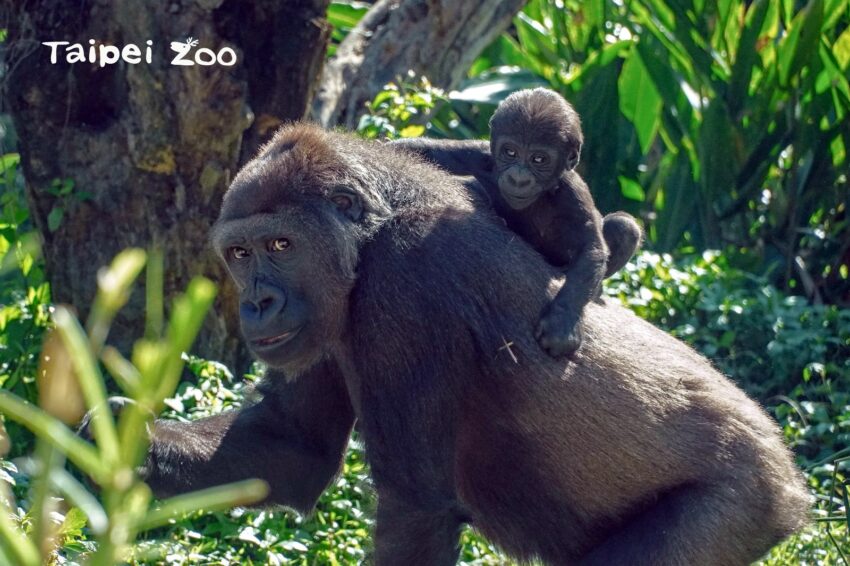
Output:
x,y
510,152
538,158
239,253
279,244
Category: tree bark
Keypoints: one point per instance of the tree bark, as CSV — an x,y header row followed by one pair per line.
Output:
x,y
150,148
438,39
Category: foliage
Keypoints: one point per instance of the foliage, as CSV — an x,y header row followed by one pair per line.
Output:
x,y
336,533
398,110
66,195
70,380
718,123
24,292
723,125
343,16
795,356
753,331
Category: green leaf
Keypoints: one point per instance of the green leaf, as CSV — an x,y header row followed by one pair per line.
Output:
x,y
746,54
841,48
680,204
54,431
678,112
114,286
801,42
639,100
412,131
188,313
73,523
87,506
833,10
631,189
495,87
9,162
15,544
344,15
90,380
686,33
211,499
535,38
54,219
595,62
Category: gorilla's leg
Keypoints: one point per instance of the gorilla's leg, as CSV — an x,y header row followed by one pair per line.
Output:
x,y
409,535
294,439
622,235
710,525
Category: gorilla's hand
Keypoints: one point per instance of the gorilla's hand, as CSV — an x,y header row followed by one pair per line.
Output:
x,y
116,405
559,332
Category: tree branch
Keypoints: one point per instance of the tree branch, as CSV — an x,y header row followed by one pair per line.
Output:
x,y
436,38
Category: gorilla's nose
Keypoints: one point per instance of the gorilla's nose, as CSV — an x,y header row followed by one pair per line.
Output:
x,y
264,301
519,181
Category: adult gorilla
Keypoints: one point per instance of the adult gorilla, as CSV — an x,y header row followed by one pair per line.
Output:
x,y
370,280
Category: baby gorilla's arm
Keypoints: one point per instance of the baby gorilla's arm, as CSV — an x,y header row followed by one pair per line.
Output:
x,y
578,229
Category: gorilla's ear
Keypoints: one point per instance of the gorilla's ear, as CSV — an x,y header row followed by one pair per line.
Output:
x,y
572,158
348,202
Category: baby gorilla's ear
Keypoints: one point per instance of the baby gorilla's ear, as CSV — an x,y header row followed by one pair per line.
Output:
x,y
572,156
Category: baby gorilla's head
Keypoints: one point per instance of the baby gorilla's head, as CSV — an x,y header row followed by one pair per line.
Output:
x,y
535,135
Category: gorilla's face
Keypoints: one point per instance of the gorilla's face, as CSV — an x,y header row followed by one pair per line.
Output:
x,y
526,168
292,286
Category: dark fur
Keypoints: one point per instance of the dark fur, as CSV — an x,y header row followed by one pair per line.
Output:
x,y
611,458
561,221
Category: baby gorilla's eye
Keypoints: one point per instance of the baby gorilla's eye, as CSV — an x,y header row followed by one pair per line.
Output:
x,y
239,253
538,158
509,152
279,245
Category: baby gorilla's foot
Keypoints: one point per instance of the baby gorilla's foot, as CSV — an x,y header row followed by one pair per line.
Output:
x,y
559,333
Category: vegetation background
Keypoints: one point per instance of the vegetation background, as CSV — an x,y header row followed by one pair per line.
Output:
x,y
721,125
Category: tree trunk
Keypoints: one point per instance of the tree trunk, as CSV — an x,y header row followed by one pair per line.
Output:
x,y
438,39
149,149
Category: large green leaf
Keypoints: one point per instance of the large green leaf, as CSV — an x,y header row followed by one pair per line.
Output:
x,y
639,100
833,11
494,87
747,56
596,61
800,44
346,14
684,31
535,38
598,105
669,86
631,189
841,49
680,205
8,162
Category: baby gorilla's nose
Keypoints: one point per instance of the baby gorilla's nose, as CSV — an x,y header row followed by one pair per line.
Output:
x,y
519,181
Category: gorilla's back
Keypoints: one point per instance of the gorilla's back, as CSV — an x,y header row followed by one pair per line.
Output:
x,y
578,449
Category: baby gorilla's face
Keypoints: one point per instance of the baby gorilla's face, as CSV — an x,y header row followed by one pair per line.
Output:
x,y
526,168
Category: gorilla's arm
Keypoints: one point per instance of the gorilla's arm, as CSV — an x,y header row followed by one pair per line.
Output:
x,y
294,439
458,157
579,232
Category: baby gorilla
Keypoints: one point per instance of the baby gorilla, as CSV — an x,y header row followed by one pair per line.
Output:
x,y
527,174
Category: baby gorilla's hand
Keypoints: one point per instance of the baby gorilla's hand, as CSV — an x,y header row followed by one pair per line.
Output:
x,y
559,332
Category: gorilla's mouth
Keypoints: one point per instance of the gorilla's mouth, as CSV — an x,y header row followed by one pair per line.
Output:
x,y
276,340
516,201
